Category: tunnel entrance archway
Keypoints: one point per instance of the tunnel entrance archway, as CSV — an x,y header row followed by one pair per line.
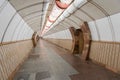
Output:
x,y
81,41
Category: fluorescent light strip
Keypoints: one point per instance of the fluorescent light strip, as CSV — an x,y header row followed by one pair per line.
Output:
x,y
56,12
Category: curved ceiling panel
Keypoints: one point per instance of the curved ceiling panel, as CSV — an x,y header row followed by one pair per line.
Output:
x,y
65,34
6,19
116,24
61,26
18,29
36,13
21,4
72,22
33,14
83,16
35,19
104,27
76,18
106,4
35,25
11,29
58,28
65,25
29,10
94,33
93,11
1,2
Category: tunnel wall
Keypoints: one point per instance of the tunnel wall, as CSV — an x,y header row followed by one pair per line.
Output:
x,y
12,56
62,39
106,54
12,26
106,29
105,46
105,43
15,40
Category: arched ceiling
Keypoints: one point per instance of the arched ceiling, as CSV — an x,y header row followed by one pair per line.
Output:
x,y
90,11
33,12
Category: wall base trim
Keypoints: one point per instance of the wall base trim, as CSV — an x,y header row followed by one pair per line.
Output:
x,y
12,42
112,69
107,67
96,62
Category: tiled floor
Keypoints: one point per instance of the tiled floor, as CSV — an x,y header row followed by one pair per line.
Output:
x,y
45,64
50,62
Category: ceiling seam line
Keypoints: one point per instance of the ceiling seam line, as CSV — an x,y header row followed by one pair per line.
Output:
x,y
108,17
8,26
33,17
30,6
15,29
41,16
98,33
3,5
19,31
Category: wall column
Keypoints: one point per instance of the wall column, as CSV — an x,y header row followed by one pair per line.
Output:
x,y
87,41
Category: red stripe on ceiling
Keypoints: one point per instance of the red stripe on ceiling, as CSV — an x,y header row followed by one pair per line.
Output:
x,y
61,5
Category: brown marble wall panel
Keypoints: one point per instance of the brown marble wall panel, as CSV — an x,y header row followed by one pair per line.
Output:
x,y
65,43
107,54
87,41
11,56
